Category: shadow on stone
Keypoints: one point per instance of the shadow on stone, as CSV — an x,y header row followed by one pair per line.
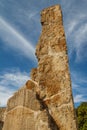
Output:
x,y
1,125
51,121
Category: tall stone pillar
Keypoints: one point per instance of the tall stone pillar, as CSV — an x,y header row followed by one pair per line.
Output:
x,y
52,74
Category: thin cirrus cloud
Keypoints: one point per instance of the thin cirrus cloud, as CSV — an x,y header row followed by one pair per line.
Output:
x,y
13,39
79,92
9,83
79,87
76,32
5,94
79,98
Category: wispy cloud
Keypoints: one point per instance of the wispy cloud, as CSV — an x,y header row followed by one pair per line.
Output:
x,y
9,83
76,31
5,94
81,34
15,40
79,99
71,26
79,87
78,77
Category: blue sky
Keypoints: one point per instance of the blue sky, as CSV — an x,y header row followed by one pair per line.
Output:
x,y
19,33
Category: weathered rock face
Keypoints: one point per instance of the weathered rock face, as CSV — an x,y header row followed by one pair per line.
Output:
x,y
52,74
2,111
26,112
45,102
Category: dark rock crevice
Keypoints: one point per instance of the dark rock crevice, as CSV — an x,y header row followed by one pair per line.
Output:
x,y
1,125
51,121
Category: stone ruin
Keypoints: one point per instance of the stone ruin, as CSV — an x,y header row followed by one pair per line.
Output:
x,y
45,102
2,112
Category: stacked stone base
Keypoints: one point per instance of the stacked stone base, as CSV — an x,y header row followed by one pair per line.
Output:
x,y
26,112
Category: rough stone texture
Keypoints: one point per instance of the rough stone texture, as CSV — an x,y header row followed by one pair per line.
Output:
x,y
45,102
52,74
26,112
2,111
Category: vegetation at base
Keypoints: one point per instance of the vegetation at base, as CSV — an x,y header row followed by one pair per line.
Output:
x,y
81,112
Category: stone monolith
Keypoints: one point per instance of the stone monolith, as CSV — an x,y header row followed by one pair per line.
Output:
x,y
52,73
